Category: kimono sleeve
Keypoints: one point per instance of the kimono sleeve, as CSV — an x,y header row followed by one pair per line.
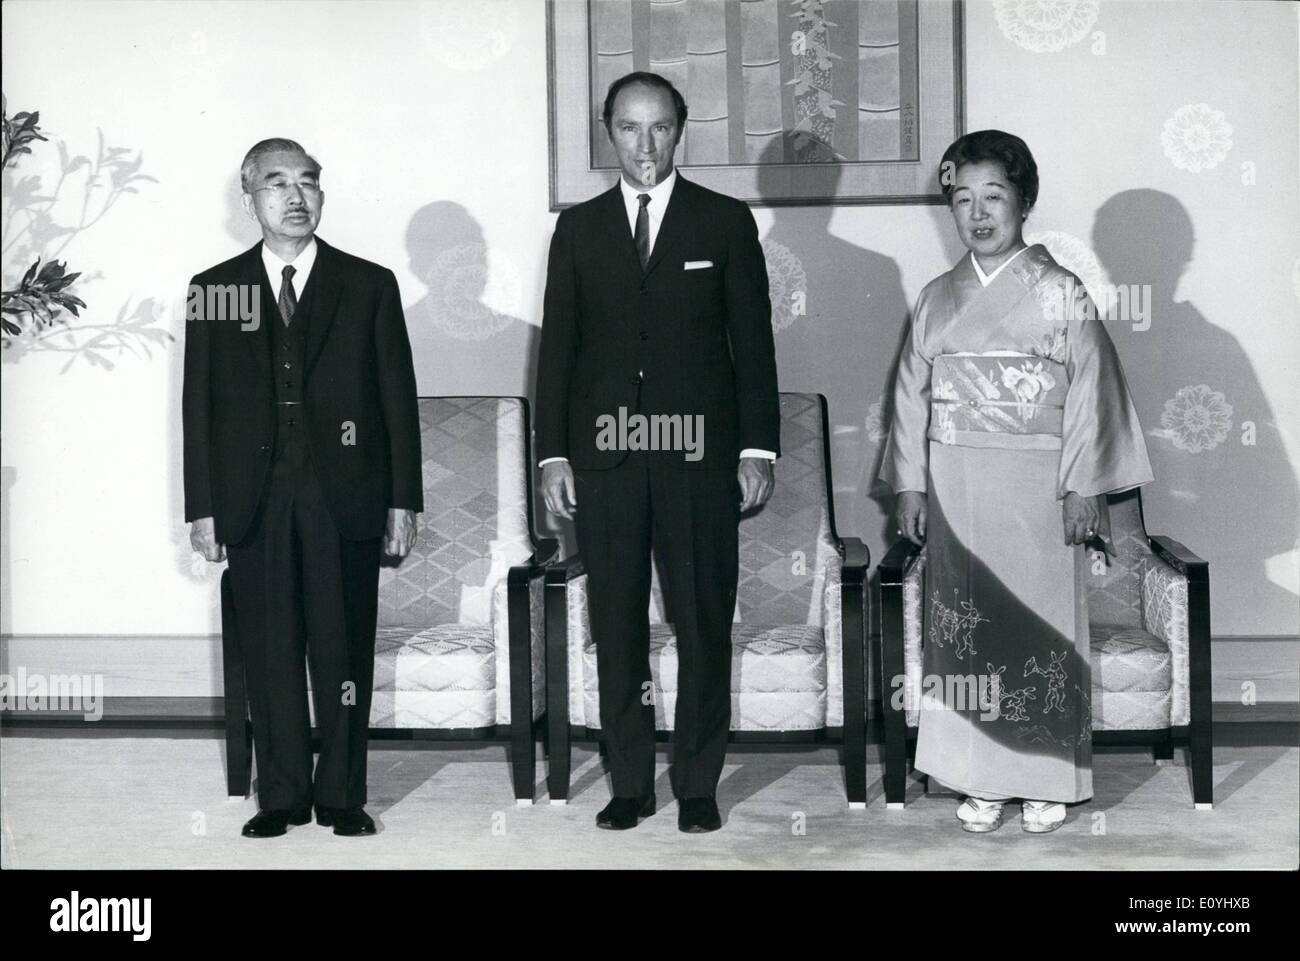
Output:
x,y
1102,448
907,450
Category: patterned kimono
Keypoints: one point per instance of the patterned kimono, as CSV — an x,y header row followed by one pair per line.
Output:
x,y
1008,397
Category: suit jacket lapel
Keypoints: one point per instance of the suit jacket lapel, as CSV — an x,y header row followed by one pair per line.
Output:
x,y
253,273
324,304
620,241
672,228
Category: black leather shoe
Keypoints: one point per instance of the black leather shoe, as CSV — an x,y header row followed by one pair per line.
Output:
x,y
622,813
698,815
268,823
347,822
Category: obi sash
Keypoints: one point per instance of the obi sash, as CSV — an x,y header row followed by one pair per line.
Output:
x,y
1006,400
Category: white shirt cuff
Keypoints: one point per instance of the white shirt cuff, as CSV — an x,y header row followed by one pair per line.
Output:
x,y
755,452
553,460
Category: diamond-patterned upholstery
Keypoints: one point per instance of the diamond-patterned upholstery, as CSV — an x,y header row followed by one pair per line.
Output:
x,y
1137,607
787,672
442,651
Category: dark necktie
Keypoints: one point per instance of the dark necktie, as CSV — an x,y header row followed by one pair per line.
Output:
x,y
642,233
288,300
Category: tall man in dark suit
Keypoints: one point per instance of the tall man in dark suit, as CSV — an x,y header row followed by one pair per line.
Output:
x,y
302,461
657,305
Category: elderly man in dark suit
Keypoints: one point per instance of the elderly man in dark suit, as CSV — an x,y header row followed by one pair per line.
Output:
x,y
302,462
657,308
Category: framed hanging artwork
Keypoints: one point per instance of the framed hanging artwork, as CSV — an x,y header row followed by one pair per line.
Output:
x,y
790,101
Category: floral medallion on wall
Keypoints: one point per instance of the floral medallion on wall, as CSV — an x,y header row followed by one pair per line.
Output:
x,y
1196,137
1078,258
1045,26
1196,419
470,36
461,286
787,284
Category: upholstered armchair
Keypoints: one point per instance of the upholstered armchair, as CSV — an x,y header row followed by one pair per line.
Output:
x,y
798,667
1149,613
459,651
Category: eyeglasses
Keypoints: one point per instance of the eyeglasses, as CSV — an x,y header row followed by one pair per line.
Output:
x,y
280,189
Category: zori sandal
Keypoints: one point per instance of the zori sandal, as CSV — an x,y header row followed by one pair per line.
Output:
x,y
979,816
1041,817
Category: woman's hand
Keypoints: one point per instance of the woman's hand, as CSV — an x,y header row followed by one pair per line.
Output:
x,y
1086,519
909,515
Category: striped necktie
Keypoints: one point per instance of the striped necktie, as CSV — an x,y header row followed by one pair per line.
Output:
x,y
642,233
288,300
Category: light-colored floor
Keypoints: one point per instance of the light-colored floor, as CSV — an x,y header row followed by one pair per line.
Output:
x,y
158,802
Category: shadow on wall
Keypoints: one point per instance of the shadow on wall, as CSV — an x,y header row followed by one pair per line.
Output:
x,y
41,221
462,345
238,224
840,318
1223,480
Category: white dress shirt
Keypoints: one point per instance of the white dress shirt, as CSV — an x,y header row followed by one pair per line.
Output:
x,y
302,265
659,196
986,279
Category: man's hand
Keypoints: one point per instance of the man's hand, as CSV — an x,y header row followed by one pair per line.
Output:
x,y
399,537
203,538
1085,520
557,487
756,483
910,515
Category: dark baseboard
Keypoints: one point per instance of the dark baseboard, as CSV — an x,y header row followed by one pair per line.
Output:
x,y
206,714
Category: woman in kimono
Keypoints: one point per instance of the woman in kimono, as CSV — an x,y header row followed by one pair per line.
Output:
x,y
1012,421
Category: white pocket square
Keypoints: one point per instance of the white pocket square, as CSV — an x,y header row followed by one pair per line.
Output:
x,y
697,264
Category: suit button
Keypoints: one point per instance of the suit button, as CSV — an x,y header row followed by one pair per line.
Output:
x,y
638,377
265,447
644,335
644,290
292,422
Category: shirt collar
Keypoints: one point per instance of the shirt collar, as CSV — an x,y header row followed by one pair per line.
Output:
x,y
301,264
659,193
986,279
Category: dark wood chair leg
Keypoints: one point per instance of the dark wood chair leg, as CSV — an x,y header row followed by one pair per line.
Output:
x,y
893,672
1202,761
558,755
239,740
1201,720
523,760
854,621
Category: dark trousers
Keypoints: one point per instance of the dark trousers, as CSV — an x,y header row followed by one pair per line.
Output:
x,y
304,593
689,519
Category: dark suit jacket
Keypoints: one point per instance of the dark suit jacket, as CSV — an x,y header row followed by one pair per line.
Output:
x,y
358,369
666,341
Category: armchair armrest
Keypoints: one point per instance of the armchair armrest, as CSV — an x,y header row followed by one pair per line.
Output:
x,y
857,558
894,571
560,573
558,576
1197,572
524,616
547,550
1179,557
853,640
898,563
1177,609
